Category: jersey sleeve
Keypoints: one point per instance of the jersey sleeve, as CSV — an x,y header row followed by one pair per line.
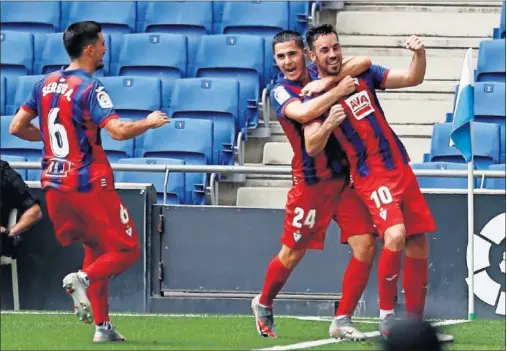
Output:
x,y
280,97
320,119
379,75
313,71
99,104
30,103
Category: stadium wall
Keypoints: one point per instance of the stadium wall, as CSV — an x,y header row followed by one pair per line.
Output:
x,y
213,259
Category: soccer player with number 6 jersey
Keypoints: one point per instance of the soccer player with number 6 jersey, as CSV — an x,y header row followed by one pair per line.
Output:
x,y
77,178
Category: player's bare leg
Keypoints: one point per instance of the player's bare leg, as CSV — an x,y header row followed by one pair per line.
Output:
x,y
355,280
388,273
415,279
278,273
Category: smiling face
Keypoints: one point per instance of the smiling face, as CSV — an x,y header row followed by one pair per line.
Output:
x,y
327,54
290,59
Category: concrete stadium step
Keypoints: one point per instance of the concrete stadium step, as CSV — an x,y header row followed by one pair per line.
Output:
x,y
384,41
403,130
262,197
440,21
442,64
279,153
414,108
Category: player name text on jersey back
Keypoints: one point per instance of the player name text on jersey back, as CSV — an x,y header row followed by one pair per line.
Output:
x,y
58,88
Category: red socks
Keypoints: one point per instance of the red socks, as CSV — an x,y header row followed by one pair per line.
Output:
x,y
415,282
388,272
354,282
276,277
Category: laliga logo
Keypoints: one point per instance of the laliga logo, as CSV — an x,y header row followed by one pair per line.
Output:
x,y
486,288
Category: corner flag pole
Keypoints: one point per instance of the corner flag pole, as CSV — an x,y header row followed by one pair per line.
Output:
x,y
462,139
470,216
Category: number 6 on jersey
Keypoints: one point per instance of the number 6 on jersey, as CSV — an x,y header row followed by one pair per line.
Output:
x,y
300,214
57,135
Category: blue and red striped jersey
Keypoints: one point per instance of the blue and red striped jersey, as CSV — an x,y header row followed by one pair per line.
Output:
x,y
72,108
330,163
368,140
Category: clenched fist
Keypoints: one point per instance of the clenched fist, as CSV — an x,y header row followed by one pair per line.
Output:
x,y
157,119
336,115
346,86
415,44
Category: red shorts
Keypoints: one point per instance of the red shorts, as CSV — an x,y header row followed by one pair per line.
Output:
x,y
97,219
310,209
394,197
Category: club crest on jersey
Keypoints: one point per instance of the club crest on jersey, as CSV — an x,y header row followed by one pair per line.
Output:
x,y
360,104
281,95
104,99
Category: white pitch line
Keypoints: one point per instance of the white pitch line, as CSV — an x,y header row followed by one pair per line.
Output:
x,y
315,343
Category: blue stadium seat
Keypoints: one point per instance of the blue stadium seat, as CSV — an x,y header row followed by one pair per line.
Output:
x,y
489,106
30,16
491,61
183,17
54,56
435,182
116,149
215,100
175,184
486,144
64,17
189,140
264,18
157,55
14,146
22,171
299,13
234,56
36,17
16,58
116,17
495,183
24,87
3,96
134,97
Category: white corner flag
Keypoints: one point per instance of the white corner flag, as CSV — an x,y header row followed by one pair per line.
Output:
x,y
462,138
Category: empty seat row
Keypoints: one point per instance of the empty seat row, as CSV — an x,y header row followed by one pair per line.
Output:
x,y
214,99
486,146
186,140
196,17
163,56
440,182
499,33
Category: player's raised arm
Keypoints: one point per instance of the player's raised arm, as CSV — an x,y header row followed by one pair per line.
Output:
x,y
351,66
412,76
121,130
304,112
317,133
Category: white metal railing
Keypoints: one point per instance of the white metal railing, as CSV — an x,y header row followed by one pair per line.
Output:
x,y
274,170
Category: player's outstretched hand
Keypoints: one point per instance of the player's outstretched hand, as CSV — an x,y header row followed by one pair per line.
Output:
x,y
336,115
314,87
346,86
157,119
415,44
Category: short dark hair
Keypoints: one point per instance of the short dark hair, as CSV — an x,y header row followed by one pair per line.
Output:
x,y
314,33
288,35
79,35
